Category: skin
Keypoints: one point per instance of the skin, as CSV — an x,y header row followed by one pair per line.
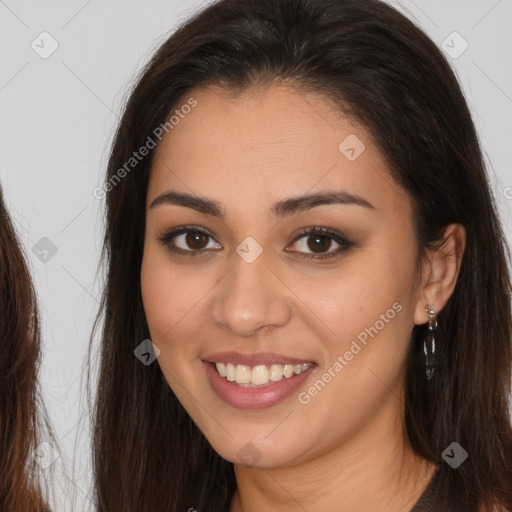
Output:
x,y
347,449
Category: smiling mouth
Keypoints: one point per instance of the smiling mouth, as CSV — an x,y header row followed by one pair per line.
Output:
x,y
261,375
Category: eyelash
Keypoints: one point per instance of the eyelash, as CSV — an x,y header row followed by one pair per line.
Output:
x,y
344,243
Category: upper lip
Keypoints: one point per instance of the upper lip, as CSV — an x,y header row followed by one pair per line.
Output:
x,y
253,359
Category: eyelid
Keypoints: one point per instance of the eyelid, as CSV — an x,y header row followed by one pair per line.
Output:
x,y
344,242
169,235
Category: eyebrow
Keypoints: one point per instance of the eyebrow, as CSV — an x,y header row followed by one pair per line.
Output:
x,y
283,208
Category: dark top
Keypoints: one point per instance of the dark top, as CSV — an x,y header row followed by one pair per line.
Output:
x,y
431,500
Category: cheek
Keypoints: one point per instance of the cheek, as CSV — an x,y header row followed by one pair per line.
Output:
x,y
372,324
352,301
171,306
158,302
369,309
168,296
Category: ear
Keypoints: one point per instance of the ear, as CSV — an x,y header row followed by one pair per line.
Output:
x,y
440,270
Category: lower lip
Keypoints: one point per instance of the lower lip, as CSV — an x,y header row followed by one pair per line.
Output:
x,y
254,398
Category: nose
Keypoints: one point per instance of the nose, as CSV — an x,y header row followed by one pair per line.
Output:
x,y
250,300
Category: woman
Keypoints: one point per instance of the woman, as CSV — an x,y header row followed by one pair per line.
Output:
x,y
298,218
20,487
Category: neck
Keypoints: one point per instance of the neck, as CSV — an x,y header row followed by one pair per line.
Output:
x,y
375,470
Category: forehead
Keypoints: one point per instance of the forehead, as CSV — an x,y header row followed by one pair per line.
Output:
x,y
268,143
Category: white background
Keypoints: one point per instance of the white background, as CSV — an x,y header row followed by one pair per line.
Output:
x,y
57,119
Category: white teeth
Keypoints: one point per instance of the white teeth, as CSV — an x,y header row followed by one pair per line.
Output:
x,y
288,370
259,375
276,372
230,372
243,374
221,368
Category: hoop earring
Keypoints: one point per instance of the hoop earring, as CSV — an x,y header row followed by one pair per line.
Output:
x,y
429,343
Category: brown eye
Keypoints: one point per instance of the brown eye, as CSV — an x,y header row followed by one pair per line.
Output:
x,y
186,240
196,239
316,242
319,243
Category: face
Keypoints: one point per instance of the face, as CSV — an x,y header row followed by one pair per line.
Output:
x,y
282,322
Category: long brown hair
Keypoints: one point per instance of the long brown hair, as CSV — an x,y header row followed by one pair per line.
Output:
x,y
377,67
20,408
